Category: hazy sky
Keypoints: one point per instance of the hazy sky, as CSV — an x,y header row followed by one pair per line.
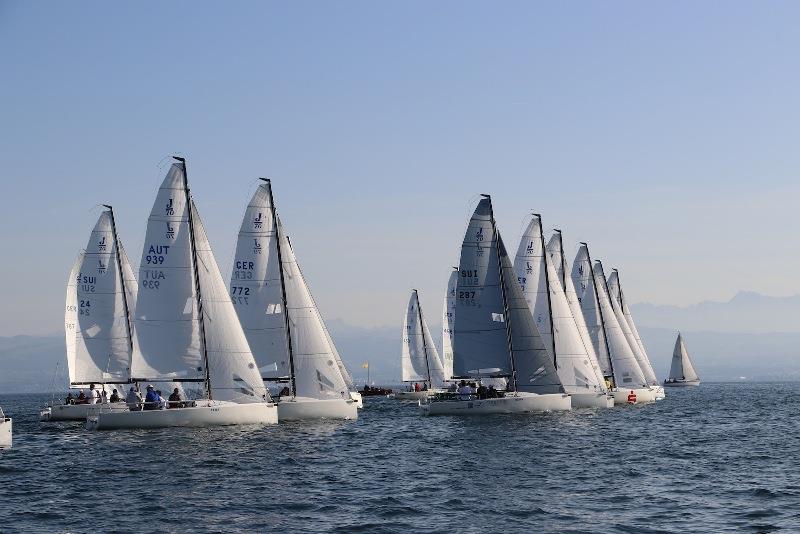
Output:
x,y
664,134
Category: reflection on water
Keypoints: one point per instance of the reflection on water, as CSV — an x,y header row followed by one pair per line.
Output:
x,y
719,457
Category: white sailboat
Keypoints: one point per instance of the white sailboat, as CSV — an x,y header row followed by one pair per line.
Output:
x,y
681,371
494,335
282,322
448,320
100,293
6,431
628,382
419,360
625,319
185,327
541,285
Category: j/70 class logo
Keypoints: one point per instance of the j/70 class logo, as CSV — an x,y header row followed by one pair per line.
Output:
x,y
257,222
170,210
101,245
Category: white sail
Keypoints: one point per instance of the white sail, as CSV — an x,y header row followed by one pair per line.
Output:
x,y
171,336
419,360
583,283
494,327
448,320
71,316
635,344
103,342
682,367
627,372
546,298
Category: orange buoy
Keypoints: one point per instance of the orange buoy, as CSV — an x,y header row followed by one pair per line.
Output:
x,y
632,397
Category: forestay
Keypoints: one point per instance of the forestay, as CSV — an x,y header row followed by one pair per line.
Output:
x,y
448,320
488,334
419,358
542,288
681,367
102,344
615,292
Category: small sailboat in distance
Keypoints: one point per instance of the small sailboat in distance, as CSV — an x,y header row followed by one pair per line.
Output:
x,y
681,372
185,327
6,430
494,335
419,360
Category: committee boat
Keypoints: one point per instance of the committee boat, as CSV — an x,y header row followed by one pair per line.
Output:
x,y
283,324
419,360
621,369
681,371
6,430
185,328
494,336
540,283
625,318
101,290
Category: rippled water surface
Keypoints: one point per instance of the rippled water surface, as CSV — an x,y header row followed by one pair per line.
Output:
x,y
722,457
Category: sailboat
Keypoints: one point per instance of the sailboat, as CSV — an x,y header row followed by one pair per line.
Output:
x,y
627,380
448,320
419,360
494,336
282,322
681,372
100,292
6,430
625,319
541,285
185,328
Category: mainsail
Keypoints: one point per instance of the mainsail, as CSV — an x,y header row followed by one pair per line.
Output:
x,y
681,367
448,320
583,283
554,320
279,316
103,288
625,321
494,327
185,326
419,359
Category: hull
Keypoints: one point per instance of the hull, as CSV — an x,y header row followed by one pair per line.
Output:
x,y
213,413
659,391
6,432
413,395
519,403
682,384
356,396
592,400
76,412
304,409
633,396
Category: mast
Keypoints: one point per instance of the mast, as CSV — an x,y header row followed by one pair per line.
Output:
x,y
118,248
196,272
547,283
600,309
506,318
424,344
283,287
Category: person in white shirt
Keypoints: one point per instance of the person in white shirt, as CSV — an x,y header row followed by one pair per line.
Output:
x,y
464,391
94,395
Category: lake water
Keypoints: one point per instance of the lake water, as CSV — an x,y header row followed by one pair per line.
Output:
x,y
721,457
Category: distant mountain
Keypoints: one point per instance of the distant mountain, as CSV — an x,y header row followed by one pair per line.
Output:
x,y
745,312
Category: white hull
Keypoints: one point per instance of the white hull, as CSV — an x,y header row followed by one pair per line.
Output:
x,y
356,396
6,432
304,408
633,396
77,412
519,403
659,390
592,400
413,395
205,414
682,384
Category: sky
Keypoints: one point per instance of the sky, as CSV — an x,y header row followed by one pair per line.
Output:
x,y
662,133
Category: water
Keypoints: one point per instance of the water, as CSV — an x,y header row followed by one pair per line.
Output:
x,y
722,457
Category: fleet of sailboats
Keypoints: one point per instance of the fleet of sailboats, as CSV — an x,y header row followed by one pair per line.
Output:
x,y
528,335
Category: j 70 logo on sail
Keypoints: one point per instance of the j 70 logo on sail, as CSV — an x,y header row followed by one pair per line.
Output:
x,y
170,231
169,209
256,247
101,269
101,245
257,222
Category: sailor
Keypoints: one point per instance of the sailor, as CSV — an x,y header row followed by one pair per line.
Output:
x,y
464,391
133,400
115,396
81,398
94,395
416,387
174,399
162,402
285,392
152,399
70,399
